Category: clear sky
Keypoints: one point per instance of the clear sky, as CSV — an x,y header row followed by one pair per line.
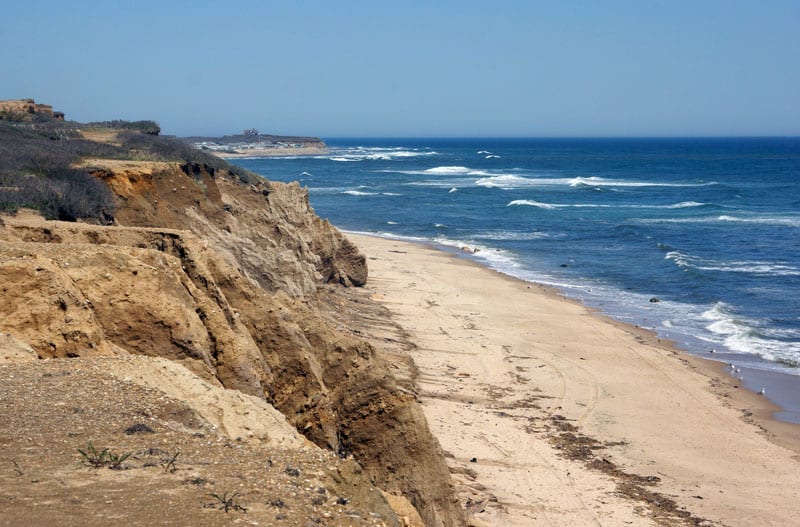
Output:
x,y
412,68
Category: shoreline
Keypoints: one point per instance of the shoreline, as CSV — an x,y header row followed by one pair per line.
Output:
x,y
510,368
782,395
270,152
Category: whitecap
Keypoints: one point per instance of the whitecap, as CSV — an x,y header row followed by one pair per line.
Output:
x,y
483,152
685,205
678,257
539,204
359,193
784,221
448,170
595,181
511,235
513,181
745,335
412,154
754,267
392,222
766,220
492,156
454,189
304,174
361,153
531,203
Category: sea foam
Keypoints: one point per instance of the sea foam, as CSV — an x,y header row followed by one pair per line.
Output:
x,y
785,221
539,204
595,181
359,193
745,335
754,267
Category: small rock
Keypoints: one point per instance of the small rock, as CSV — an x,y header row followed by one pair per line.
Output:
x,y
138,428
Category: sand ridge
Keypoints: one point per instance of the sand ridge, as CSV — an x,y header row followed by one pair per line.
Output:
x,y
552,415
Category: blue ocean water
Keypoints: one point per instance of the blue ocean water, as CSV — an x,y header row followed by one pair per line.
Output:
x,y
709,227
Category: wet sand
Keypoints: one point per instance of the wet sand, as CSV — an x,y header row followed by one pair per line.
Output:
x,y
553,415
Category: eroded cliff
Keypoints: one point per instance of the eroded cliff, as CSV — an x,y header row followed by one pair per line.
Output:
x,y
223,276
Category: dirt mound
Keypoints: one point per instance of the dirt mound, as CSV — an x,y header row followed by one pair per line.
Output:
x,y
84,444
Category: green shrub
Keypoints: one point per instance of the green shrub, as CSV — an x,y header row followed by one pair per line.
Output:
x,y
103,458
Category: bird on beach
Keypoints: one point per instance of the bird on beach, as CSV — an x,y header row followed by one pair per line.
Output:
x,y
763,391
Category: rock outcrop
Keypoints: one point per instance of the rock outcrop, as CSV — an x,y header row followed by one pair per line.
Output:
x,y
27,110
267,230
222,277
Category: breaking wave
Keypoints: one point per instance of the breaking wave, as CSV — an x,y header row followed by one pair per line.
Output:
x,y
531,203
786,221
356,154
359,193
762,268
603,182
748,335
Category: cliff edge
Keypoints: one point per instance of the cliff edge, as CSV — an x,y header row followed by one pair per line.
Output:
x,y
232,278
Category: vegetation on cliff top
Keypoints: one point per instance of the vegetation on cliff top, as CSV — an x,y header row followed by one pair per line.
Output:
x,y
39,164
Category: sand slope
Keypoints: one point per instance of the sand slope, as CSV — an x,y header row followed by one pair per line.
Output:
x,y
556,416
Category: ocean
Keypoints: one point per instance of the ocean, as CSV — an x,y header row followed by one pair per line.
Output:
x,y
696,239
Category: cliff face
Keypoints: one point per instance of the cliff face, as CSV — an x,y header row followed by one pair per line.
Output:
x,y
27,110
267,230
222,277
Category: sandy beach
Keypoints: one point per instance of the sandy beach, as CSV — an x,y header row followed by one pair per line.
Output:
x,y
553,415
270,152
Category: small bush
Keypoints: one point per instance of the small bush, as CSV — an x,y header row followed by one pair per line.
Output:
x,y
168,463
173,149
226,502
37,160
144,127
103,458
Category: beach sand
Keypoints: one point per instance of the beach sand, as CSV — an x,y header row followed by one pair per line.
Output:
x,y
553,415
270,152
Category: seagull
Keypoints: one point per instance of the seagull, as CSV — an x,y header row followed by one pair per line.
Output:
x,y
763,391
713,351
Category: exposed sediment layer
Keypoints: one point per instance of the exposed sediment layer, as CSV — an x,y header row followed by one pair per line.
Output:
x,y
229,280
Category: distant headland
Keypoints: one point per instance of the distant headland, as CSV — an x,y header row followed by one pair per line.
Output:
x,y
252,143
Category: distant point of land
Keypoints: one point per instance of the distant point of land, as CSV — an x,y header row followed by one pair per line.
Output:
x,y
252,143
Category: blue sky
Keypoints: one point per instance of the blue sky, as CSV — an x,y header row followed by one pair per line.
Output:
x,y
448,68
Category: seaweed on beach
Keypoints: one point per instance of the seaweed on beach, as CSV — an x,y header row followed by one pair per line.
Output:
x,y
579,447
